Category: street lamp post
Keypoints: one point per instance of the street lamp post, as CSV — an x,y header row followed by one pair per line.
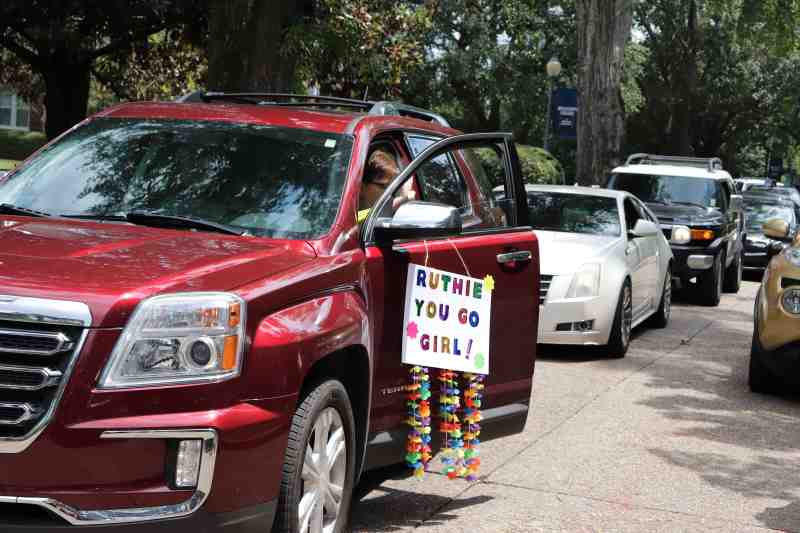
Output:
x,y
553,70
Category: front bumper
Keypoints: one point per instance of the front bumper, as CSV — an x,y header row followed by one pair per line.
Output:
x,y
692,261
256,519
775,327
560,312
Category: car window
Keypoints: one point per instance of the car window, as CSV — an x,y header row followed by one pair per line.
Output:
x,y
270,181
670,189
492,203
632,214
757,214
438,179
573,213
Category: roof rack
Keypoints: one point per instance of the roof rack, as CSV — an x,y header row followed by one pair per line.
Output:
x,y
709,163
301,100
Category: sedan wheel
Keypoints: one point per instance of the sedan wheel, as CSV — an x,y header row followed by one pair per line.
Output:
x,y
620,336
660,318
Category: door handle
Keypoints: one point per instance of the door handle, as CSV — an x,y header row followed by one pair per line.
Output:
x,y
513,257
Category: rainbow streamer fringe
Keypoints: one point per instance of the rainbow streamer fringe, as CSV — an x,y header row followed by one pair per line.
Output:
x,y
418,448
473,394
452,439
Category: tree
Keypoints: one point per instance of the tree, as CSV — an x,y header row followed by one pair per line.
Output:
x,y
604,27
248,44
62,42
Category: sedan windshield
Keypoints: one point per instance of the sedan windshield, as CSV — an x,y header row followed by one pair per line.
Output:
x,y
670,189
757,214
574,213
264,180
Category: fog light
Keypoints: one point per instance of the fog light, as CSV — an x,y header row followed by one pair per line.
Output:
x,y
791,301
187,466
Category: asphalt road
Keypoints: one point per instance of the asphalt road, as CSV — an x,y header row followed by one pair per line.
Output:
x,y
667,439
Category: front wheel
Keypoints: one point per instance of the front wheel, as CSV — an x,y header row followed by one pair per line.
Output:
x,y
319,465
759,378
620,337
711,284
733,275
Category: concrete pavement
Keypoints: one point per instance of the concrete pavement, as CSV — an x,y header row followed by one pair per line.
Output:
x,y
668,439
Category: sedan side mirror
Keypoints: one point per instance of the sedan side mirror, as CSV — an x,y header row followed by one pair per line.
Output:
x,y
644,228
418,220
777,229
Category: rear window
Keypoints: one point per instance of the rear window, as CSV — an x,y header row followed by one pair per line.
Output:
x,y
669,190
574,213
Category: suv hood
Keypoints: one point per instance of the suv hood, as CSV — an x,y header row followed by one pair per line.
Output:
x,y
563,253
685,214
112,266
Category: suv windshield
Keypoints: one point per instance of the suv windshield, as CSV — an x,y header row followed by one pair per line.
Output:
x,y
574,213
757,214
670,189
268,181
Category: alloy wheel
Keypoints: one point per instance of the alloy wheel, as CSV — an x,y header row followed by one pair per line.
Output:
x,y
627,315
324,472
668,296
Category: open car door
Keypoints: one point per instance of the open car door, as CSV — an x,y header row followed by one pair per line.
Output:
x,y
472,223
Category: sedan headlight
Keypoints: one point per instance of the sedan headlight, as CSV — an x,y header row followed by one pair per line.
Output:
x,y
792,255
585,282
681,235
179,338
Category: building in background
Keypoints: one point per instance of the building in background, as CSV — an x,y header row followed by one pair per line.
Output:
x,y
17,114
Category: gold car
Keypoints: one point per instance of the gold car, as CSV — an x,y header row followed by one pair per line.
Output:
x,y
775,354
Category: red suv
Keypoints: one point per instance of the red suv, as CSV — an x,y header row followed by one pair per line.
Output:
x,y
197,333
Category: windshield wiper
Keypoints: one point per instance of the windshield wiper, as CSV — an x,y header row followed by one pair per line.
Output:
x,y
91,216
690,203
149,218
8,209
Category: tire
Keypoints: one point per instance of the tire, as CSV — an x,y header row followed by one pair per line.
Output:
x,y
760,379
711,284
733,275
620,337
327,407
661,317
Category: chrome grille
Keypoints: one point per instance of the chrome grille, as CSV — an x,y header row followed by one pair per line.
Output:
x,y
33,360
544,286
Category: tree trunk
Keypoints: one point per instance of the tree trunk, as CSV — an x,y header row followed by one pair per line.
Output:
x,y
67,94
247,44
604,27
682,124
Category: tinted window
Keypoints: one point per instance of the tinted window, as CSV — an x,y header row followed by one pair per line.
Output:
x,y
492,207
277,182
574,213
757,214
670,189
438,178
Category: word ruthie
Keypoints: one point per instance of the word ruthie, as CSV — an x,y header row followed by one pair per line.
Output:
x,y
450,284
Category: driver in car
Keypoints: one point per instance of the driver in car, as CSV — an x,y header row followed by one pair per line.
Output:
x,y
381,169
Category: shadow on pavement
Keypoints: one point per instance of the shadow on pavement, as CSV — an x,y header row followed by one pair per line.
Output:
x,y
710,400
377,506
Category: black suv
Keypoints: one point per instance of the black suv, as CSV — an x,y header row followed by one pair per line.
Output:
x,y
700,214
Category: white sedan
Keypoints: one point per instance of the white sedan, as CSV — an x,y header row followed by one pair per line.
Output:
x,y
605,266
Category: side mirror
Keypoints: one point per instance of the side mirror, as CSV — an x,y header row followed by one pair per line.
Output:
x,y
737,202
644,228
418,220
777,229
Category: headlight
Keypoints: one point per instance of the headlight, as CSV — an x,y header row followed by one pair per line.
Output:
x,y
681,235
585,282
791,301
179,338
792,255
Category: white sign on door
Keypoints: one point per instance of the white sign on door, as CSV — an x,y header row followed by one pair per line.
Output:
x,y
447,319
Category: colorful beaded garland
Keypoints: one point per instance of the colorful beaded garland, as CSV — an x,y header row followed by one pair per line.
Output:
x,y
473,395
418,448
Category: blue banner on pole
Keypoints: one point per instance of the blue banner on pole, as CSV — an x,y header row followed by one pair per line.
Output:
x,y
564,113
